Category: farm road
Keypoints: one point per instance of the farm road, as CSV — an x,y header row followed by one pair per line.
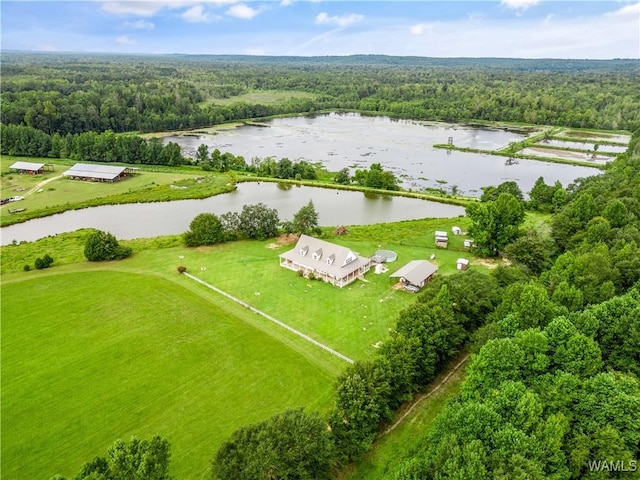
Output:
x,y
41,184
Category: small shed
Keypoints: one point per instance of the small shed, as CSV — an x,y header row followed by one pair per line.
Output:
x,y
416,273
468,243
456,230
462,264
442,239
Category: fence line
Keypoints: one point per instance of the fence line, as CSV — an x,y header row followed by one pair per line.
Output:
x,y
270,318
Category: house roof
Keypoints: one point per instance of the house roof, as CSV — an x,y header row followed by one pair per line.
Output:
x,y
463,261
416,271
338,268
104,172
27,166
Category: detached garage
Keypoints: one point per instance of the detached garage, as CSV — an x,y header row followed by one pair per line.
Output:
x,y
416,273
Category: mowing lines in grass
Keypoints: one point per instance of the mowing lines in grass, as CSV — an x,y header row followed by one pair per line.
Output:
x,y
270,318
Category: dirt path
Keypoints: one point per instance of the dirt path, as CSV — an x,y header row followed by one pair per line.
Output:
x,y
426,395
41,184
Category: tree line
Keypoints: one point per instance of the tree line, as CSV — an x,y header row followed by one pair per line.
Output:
x,y
254,222
19,140
56,95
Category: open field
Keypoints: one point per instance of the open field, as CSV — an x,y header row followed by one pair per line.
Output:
x,y
61,193
109,356
350,320
262,97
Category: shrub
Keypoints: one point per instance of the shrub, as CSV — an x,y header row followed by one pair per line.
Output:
x,y
182,269
104,246
311,276
44,262
300,273
27,268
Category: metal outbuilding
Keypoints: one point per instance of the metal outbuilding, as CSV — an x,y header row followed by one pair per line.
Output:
x,y
100,173
31,168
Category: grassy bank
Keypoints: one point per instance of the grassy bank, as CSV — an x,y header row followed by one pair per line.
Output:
x,y
511,155
60,194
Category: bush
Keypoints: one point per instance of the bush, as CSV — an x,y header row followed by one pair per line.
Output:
x,y
311,276
44,262
182,269
27,268
104,246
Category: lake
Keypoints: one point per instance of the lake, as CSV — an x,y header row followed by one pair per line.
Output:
x,y
403,146
142,220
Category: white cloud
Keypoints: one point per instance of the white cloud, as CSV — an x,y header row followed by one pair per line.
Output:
x,y
242,11
140,25
627,10
139,8
148,8
286,3
420,28
125,40
195,14
339,20
519,4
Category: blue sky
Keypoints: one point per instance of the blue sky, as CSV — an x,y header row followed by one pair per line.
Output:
x,y
484,28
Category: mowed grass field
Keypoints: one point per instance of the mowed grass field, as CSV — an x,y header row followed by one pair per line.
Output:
x,y
92,356
92,352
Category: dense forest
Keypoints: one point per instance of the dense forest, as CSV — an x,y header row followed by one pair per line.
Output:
x,y
74,94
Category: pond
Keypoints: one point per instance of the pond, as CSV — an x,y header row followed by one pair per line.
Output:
x,y
402,146
587,146
142,220
567,155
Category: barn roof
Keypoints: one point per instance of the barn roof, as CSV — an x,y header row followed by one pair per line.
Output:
x,y
103,172
27,166
416,271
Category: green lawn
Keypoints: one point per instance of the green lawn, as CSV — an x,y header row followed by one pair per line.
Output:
x,y
89,357
92,352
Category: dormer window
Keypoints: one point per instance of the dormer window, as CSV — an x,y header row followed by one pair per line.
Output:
x,y
331,259
349,258
317,255
303,251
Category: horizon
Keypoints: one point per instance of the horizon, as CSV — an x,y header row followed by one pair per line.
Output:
x,y
498,29
169,54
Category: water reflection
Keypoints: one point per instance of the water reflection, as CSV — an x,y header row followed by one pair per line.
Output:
x,y
139,220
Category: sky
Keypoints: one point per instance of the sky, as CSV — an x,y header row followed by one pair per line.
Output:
x,y
428,28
